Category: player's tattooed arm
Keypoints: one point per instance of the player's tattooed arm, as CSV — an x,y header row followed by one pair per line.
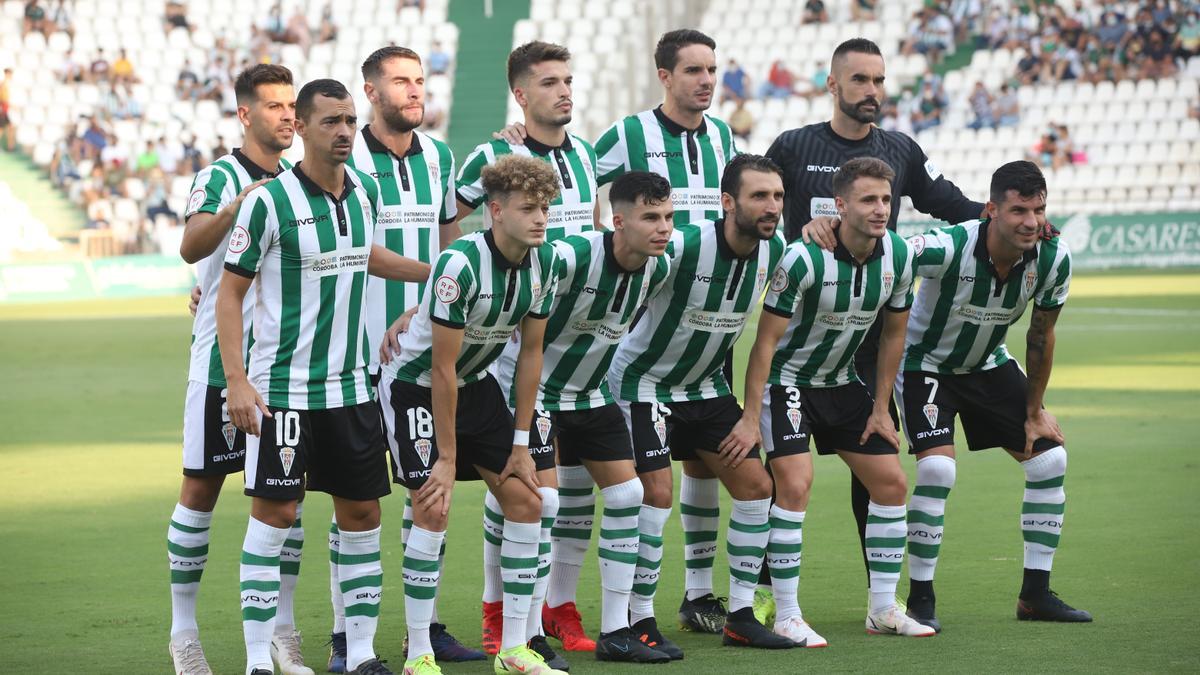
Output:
x,y
1039,359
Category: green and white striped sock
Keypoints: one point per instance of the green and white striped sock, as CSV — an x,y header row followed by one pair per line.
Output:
x,y
1043,507
519,569
746,546
406,525
927,514
885,552
571,533
493,537
187,555
422,570
259,575
335,587
533,627
783,560
619,544
361,575
289,573
651,521
699,511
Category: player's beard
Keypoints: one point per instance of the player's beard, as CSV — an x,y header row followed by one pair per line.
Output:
x,y
856,113
269,140
750,227
395,120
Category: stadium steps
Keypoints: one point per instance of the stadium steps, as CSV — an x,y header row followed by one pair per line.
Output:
x,y
47,203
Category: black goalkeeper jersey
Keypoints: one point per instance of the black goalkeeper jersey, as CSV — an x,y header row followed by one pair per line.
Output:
x,y
809,156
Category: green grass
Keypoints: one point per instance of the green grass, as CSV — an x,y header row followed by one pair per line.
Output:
x,y
89,464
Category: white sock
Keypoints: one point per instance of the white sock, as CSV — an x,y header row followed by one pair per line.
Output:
x,y
421,574
187,555
700,512
335,588
361,574
619,544
651,521
259,575
886,536
493,536
518,566
783,561
1043,507
289,573
533,627
746,541
571,533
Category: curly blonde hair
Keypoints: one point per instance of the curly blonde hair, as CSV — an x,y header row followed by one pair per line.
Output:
x,y
526,175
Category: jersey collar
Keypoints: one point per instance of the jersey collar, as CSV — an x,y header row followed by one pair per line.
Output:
x,y
676,129
539,148
376,145
723,246
610,258
255,171
348,185
498,258
982,255
840,252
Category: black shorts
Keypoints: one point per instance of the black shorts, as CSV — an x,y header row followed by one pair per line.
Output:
x,y
665,431
834,416
991,404
597,435
542,433
212,445
340,451
483,430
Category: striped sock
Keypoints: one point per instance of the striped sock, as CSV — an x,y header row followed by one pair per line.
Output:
x,y
361,576
746,545
289,573
783,560
885,552
699,511
187,554
571,533
1043,507
259,574
406,525
335,587
422,570
619,544
927,513
518,567
651,521
493,536
533,627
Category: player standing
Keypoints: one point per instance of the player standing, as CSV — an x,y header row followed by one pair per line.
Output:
x,y
306,239
668,378
438,397
980,276
801,381
212,446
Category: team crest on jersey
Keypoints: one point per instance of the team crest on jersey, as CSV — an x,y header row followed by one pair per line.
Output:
x,y
794,415
286,457
931,414
779,282
239,239
543,426
447,290
660,428
1030,279
424,448
917,242
435,171
888,278
229,431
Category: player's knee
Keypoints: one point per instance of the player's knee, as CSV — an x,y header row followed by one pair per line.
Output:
x,y
1048,464
937,470
356,515
754,488
624,495
656,489
200,493
890,488
549,502
522,506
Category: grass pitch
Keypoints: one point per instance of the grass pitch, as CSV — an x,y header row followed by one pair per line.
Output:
x,y
89,464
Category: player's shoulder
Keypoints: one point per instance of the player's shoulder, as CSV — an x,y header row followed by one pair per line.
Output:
x,y
777,243
802,251
898,243
1057,247
364,180
582,144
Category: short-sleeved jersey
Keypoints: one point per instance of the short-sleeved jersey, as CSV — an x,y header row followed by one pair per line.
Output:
x,y
809,156
574,162
963,309
214,188
677,349
831,301
596,302
417,191
476,289
693,160
307,250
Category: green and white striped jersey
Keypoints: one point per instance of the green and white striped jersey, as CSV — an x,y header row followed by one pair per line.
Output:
x,y
418,196
963,311
831,302
677,349
595,304
213,189
575,164
307,251
477,289
693,160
